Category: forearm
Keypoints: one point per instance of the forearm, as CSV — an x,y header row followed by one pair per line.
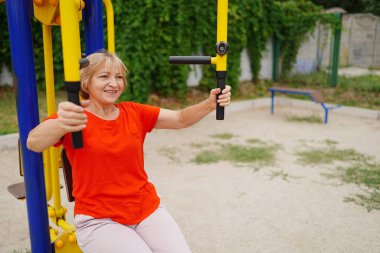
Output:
x,y
168,119
191,115
44,135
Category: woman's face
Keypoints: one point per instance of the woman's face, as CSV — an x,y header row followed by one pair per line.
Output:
x,y
106,85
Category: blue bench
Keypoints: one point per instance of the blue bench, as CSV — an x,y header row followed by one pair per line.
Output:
x,y
314,95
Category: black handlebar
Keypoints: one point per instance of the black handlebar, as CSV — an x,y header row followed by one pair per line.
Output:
x,y
220,81
220,75
72,89
190,59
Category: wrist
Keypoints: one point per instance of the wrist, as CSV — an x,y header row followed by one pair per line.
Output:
x,y
211,103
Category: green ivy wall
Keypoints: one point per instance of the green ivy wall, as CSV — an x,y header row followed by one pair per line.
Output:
x,y
148,31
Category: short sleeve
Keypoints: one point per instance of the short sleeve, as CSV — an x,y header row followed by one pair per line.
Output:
x,y
149,115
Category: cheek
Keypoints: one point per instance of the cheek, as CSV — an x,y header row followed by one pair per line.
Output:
x,y
122,85
88,88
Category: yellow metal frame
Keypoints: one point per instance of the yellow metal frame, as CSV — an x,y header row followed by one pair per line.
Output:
x,y
67,14
65,242
47,12
222,26
51,155
70,40
48,157
110,26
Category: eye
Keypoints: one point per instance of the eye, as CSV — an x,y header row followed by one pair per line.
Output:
x,y
103,76
119,77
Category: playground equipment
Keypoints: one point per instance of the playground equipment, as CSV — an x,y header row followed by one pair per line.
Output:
x,y
41,175
221,49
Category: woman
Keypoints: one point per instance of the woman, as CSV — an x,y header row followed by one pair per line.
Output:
x,y
116,208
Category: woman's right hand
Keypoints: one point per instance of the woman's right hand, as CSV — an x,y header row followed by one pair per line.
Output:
x,y
71,117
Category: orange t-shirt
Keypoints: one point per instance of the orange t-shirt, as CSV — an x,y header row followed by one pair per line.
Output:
x,y
109,179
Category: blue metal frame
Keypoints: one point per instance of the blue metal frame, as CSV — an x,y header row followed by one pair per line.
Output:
x,y
19,13
93,26
301,92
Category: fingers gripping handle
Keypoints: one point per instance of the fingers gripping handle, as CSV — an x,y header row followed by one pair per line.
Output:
x,y
72,89
220,80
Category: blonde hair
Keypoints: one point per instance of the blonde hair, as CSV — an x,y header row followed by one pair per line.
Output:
x,y
97,61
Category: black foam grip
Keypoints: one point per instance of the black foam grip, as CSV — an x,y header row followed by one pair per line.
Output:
x,y
73,96
190,59
220,80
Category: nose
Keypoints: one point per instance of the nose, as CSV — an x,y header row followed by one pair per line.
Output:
x,y
112,82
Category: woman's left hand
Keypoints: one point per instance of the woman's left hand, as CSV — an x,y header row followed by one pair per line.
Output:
x,y
224,98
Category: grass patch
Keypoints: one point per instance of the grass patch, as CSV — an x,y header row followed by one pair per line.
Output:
x,y
22,251
330,142
363,83
223,136
329,155
361,91
263,155
255,141
362,171
206,157
170,153
8,113
308,119
281,174
200,144
362,174
370,201
244,154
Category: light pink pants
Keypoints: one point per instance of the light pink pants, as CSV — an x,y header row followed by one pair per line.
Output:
x,y
158,233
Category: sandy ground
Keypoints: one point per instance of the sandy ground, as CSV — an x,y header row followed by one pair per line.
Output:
x,y
225,207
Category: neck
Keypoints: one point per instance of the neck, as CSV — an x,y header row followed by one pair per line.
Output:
x,y
110,112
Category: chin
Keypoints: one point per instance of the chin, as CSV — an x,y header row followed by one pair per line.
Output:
x,y
112,98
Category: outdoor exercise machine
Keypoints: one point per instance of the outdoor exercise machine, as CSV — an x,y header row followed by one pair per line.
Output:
x,y
41,175
221,49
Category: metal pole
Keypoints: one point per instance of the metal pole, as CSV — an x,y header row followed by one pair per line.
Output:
x,y
93,26
110,26
335,55
19,13
221,48
374,42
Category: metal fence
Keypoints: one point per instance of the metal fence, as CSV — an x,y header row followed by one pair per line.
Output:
x,y
359,45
